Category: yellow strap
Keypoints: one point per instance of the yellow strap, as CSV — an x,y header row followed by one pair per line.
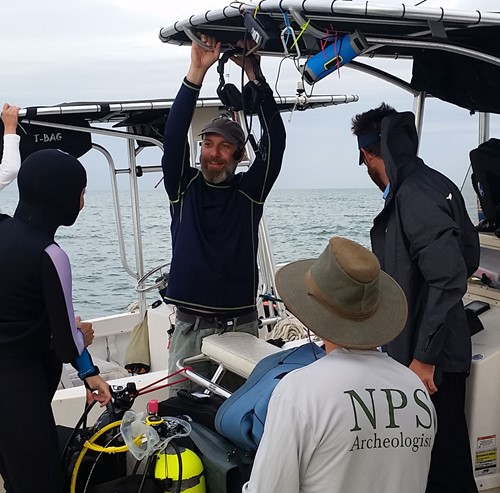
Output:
x,y
303,28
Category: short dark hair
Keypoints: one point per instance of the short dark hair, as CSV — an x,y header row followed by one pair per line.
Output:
x,y
370,122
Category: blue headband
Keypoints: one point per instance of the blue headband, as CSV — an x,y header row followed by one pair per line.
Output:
x,y
367,139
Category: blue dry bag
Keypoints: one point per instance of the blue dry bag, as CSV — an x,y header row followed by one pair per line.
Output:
x,y
334,55
241,417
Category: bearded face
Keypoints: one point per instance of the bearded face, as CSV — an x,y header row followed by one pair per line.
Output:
x,y
217,161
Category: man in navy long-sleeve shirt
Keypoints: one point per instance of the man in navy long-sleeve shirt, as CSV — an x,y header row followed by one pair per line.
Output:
x,y
215,212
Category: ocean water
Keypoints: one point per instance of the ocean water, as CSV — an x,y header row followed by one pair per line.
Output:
x,y
300,222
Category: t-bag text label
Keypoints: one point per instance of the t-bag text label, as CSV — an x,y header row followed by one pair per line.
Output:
x,y
55,137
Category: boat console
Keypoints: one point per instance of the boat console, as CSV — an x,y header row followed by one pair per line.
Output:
x,y
483,394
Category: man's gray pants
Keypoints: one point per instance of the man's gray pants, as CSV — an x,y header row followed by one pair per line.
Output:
x,y
186,342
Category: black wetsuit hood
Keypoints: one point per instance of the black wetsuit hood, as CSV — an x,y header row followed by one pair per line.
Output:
x,y
50,183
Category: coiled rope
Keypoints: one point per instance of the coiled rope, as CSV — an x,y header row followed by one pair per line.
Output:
x,y
288,329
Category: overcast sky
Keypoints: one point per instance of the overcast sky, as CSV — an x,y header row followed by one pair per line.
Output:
x,y
98,50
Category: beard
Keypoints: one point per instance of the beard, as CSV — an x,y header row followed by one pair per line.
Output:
x,y
378,180
219,175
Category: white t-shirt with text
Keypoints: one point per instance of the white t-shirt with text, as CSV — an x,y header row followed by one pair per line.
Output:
x,y
353,421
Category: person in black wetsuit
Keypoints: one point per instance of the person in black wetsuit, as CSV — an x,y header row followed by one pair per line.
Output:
x,y
37,324
215,212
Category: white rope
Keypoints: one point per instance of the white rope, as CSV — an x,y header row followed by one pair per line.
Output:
x,y
288,329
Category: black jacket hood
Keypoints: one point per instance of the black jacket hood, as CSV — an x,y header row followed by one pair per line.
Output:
x,y
50,184
399,146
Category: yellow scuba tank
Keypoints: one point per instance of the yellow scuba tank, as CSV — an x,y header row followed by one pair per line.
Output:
x,y
167,470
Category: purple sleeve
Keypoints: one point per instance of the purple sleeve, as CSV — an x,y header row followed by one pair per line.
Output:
x,y
57,287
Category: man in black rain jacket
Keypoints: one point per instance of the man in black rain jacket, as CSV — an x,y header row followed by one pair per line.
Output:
x,y
425,240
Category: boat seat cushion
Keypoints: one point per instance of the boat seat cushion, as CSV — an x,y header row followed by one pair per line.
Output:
x,y
238,352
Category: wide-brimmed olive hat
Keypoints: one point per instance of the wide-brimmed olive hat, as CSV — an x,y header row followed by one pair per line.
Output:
x,y
343,296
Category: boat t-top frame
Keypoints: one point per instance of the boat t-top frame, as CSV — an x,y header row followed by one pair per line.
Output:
x,y
455,53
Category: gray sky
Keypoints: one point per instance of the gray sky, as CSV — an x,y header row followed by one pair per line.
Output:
x,y
98,50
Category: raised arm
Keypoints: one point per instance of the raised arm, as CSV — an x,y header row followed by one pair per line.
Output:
x,y
250,63
11,159
269,157
202,59
260,178
176,157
